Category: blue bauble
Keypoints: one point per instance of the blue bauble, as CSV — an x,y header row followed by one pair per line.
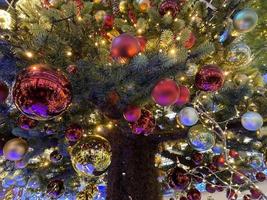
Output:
x,y
245,20
252,121
188,116
201,138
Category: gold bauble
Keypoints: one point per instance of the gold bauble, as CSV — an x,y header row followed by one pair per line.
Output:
x,y
123,6
99,15
15,149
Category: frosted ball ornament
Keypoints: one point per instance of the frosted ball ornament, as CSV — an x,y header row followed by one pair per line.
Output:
x,y
188,116
252,121
201,138
239,54
15,149
91,156
41,93
245,20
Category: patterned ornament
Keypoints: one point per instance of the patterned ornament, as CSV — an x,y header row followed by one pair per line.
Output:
x,y
26,123
55,189
91,156
132,113
188,116
239,55
143,5
169,6
184,96
74,132
41,93
200,138
55,157
165,92
3,92
15,149
108,21
190,42
125,46
252,121
193,194
245,20
209,78
145,125
178,179
72,69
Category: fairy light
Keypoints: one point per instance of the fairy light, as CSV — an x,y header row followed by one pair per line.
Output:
x,y
69,53
29,54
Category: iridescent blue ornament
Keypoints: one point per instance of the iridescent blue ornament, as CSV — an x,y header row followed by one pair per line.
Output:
x,y
188,116
245,20
201,187
252,121
201,138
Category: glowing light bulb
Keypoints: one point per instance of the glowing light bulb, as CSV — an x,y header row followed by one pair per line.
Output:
x,y
5,19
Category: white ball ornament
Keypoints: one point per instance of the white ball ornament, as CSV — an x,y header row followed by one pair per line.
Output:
x,y
252,121
188,116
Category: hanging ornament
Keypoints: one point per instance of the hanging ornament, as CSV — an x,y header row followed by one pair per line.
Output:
x,y
210,188
245,20
190,42
260,176
125,46
132,113
15,149
197,158
184,96
91,156
188,116
3,91
165,92
26,123
145,125
108,21
5,19
178,179
72,69
200,138
143,5
99,16
233,153
132,16
193,194
239,55
252,121
219,160
169,6
55,157
55,189
74,132
41,93
142,42
209,78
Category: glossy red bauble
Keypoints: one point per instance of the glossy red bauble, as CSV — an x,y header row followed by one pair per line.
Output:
x,y
132,113
165,92
41,93
233,153
3,91
219,160
145,125
169,6
260,176
238,179
209,78
178,179
193,194
26,123
210,188
74,132
184,96
255,193
125,46
108,21
190,42
72,69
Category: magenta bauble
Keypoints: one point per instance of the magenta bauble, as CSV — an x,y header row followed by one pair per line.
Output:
x,y
132,113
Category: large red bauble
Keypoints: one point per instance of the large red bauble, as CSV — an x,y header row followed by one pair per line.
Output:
x,y
193,194
132,113
169,6
26,123
190,42
178,178
41,93
3,91
184,96
209,78
145,125
165,92
125,46
74,132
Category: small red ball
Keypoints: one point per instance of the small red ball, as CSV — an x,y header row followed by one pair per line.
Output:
x,y
233,153
219,160
125,46
184,96
197,158
255,193
210,188
72,69
165,92
193,194
247,197
108,21
190,42
260,176
213,167
3,91
237,178
132,113
231,194
178,178
145,125
169,6
142,41
26,123
74,132
209,78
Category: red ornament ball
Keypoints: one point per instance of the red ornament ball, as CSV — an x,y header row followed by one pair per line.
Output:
x,y
231,194
125,46
247,197
142,41
145,125
72,69
233,153
165,92
219,160
219,188
197,158
237,178
74,132
210,188
260,176
209,78
213,167
55,189
3,91
178,178
108,21
169,6
190,42
255,193
132,113
193,194
184,96
26,123
41,93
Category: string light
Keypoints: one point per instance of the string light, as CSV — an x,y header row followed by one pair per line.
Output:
x,y
29,54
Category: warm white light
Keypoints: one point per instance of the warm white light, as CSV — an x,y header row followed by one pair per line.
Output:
x,y
5,19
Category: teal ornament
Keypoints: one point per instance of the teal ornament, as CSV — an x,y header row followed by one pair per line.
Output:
x,y
245,20
188,116
252,121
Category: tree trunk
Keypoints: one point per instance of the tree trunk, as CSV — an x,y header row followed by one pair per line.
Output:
x,y
132,175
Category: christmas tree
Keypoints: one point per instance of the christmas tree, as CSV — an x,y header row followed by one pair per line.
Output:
x,y
133,99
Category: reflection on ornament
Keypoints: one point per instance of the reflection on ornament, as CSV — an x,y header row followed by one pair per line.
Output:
x,y
245,20
91,156
200,138
55,189
15,149
239,55
188,116
252,121
41,93
5,19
